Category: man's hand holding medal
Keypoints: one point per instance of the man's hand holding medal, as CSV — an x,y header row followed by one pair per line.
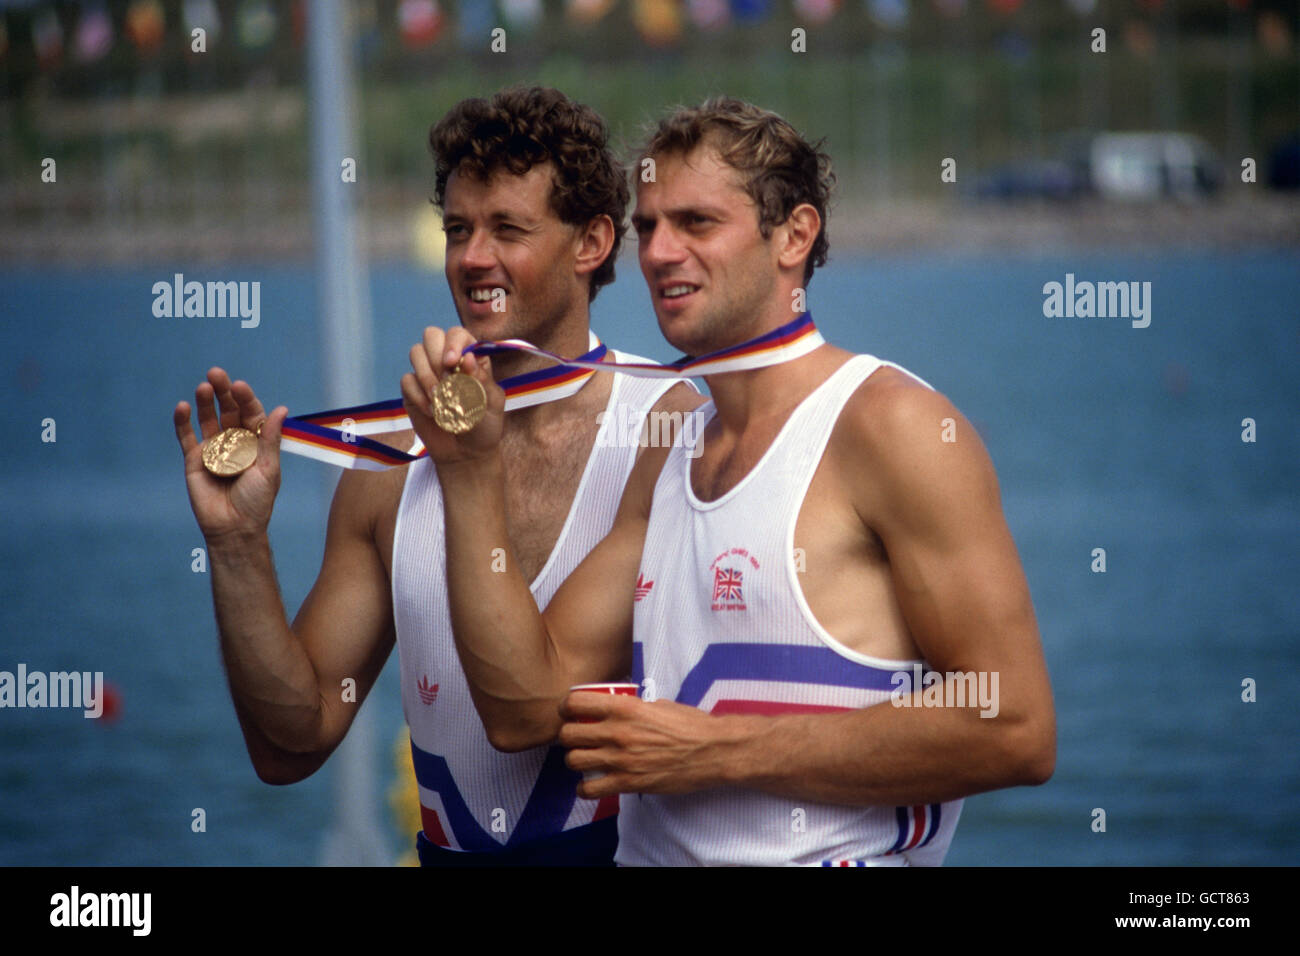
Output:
x,y
454,404
234,474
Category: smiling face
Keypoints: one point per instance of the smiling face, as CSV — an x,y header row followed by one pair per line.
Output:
x,y
503,234
713,278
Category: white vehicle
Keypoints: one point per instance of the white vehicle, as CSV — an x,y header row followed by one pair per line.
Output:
x,y
1141,166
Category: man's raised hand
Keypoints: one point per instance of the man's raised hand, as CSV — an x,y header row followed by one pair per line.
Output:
x,y
241,504
434,358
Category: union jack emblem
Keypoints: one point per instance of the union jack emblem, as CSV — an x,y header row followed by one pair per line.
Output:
x,y
726,585
642,587
428,694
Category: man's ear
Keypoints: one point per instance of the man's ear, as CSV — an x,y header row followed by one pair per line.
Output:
x,y
795,236
595,240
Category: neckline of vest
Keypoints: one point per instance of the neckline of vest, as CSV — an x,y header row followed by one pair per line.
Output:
x,y
697,504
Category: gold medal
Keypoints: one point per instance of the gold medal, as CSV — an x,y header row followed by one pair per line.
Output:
x,y
230,452
459,402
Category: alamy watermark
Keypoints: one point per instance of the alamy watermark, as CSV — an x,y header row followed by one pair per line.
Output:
x,y
1102,300
26,688
75,908
628,428
946,689
211,300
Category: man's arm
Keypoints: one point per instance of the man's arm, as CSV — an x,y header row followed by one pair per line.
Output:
x,y
286,682
965,601
520,663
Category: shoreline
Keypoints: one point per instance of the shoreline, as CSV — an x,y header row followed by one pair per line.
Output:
x,y
388,231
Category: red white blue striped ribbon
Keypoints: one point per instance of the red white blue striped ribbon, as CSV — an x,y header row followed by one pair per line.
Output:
x,y
790,341
337,436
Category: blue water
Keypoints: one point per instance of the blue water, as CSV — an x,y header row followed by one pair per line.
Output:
x,y
1103,436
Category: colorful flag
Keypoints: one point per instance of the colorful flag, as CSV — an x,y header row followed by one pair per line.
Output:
x,y
950,8
658,21
708,14
587,11
145,25
1005,6
363,24
256,24
750,11
94,34
47,37
521,14
475,20
816,11
888,14
202,15
420,22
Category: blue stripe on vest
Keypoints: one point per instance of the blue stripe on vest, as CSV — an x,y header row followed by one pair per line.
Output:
x,y
545,813
901,814
780,662
638,663
934,825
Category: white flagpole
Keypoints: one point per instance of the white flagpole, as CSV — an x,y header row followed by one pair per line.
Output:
x,y
355,837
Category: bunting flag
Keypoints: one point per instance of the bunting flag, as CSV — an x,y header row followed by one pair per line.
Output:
x,y
420,22
4,38
816,11
658,21
364,27
256,25
709,14
1005,7
521,14
1015,46
1083,7
94,35
47,38
146,25
202,15
298,22
950,8
475,21
587,12
750,11
1138,38
888,14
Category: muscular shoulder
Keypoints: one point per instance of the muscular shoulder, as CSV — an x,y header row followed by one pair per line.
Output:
x,y
905,449
365,499
890,408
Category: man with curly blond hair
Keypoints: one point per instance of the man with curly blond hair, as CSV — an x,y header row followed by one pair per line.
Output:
x,y
534,206
819,595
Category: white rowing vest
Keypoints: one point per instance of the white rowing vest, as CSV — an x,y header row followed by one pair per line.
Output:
x,y
722,624
472,796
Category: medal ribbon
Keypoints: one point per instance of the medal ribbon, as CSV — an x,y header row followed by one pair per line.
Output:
x,y
791,341
322,435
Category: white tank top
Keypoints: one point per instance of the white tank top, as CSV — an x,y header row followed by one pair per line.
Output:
x,y
472,796
721,623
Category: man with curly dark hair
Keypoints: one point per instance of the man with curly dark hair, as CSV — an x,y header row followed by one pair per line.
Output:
x,y
819,592
534,208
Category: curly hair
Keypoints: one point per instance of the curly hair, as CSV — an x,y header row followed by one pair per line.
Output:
x,y
780,169
522,127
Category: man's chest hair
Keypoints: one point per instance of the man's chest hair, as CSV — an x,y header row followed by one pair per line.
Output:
x,y
541,481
